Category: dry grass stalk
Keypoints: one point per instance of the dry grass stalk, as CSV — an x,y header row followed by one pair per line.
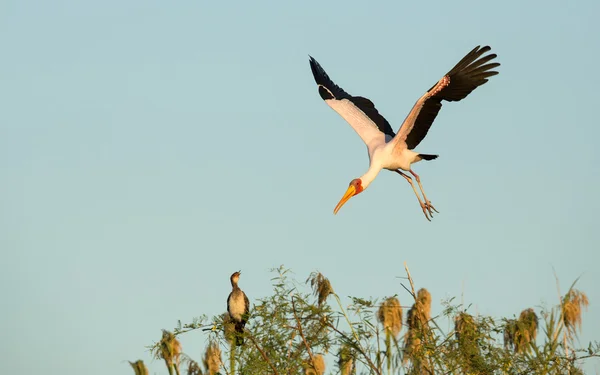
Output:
x,y
139,367
170,351
212,358
321,286
390,316
573,304
317,368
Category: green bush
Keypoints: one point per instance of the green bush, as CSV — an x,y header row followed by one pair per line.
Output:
x,y
293,331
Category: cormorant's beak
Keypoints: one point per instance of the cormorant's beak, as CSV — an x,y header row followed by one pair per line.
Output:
x,y
349,194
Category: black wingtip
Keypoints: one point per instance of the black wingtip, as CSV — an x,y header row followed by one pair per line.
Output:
x,y
327,89
318,72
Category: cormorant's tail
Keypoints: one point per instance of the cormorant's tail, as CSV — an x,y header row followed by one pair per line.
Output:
x,y
428,157
239,332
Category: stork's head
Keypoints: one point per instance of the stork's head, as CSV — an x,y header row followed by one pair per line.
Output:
x,y
235,277
355,188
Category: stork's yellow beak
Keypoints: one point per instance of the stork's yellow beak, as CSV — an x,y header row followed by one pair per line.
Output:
x,y
349,194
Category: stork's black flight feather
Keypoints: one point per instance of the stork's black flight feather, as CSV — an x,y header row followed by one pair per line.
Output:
x,y
470,73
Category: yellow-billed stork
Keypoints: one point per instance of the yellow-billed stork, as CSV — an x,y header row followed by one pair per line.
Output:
x,y
391,151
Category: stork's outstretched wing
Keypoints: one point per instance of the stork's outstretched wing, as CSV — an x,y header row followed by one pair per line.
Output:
x,y
359,112
470,72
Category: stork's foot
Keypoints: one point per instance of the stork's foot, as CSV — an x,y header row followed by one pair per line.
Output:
x,y
426,212
430,207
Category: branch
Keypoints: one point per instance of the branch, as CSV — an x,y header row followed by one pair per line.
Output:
x,y
347,319
187,328
369,362
251,337
408,290
412,285
310,354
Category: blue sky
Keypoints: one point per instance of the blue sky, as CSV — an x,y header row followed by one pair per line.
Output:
x,y
150,148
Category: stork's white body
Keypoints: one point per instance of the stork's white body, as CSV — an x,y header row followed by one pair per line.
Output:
x,y
389,156
394,156
385,152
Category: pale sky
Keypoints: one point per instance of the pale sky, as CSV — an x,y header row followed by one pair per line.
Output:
x,y
149,149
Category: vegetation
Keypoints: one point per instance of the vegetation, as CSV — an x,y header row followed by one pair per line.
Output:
x,y
139,367
294,331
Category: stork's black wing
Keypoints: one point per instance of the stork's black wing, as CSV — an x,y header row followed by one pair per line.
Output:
x,y
470,72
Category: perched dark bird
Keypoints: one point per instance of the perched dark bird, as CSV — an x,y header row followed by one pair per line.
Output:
x,y
391,151
238,307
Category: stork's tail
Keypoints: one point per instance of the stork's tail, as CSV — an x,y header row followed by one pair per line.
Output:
x,y
428,157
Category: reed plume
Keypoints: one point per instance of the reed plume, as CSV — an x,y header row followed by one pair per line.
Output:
x,y
417,320
390,316
193,368
345,360
170,351
572,308
321,286
317,367
212,358
139,367
520,333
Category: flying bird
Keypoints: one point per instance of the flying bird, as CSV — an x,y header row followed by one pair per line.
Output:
x,y
238,307
391,151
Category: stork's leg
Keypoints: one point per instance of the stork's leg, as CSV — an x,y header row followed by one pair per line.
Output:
x,y
423,206
427,201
